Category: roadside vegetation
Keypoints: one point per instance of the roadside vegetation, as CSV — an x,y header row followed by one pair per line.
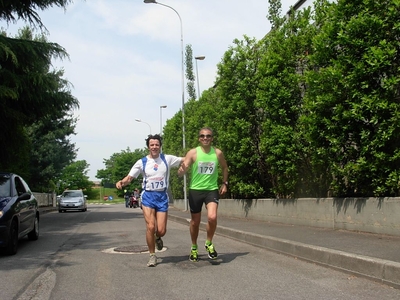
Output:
x,y
105,195
101,201
310,110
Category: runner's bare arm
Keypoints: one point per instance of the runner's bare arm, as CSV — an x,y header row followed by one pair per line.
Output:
x,y
187,162
125,181
224,166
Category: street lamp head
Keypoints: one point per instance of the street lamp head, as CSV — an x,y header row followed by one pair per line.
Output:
x,y
200,57
163,106
140,120
150,1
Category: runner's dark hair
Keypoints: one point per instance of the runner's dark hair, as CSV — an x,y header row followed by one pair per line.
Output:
x,y
153,137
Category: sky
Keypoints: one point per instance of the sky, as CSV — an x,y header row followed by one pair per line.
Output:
x,y
125,61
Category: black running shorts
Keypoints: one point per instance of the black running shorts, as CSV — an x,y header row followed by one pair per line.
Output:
x,y
198,197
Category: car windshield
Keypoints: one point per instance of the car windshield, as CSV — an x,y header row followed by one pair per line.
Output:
x,y
72,194
5,186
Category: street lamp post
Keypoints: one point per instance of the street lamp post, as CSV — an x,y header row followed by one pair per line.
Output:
x,y
183,92
201,57
139,120
161,107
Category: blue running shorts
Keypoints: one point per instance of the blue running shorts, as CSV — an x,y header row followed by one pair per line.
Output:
x,y
156,200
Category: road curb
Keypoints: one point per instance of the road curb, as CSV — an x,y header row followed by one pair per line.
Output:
x,y
380,270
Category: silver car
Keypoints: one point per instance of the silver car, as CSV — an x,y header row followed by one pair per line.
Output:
x,y
72,200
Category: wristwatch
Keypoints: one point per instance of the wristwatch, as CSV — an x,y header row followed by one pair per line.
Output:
x,y
226,183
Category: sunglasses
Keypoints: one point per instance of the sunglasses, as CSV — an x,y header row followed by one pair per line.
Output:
x,y
209,136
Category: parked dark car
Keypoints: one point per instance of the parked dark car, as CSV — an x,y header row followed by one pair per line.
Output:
x,y
19,214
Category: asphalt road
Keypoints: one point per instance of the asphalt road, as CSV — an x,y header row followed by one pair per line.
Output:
x,y
74,258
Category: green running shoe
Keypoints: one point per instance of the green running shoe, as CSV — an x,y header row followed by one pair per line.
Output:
x,y
212,254
194,255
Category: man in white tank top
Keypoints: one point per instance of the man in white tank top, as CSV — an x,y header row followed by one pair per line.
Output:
x,y
155,169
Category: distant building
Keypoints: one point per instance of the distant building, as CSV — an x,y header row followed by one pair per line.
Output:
x,y
96,183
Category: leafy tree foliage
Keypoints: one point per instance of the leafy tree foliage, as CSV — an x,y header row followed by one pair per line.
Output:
x,y
353,98
238,121
35,101
50,150
172,144
279,101
74,177
312,109
172,134
119,165
189,72
29,89
12,10
274,13
23,80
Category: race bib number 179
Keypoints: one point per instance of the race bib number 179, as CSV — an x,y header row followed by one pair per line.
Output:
x,y
205,167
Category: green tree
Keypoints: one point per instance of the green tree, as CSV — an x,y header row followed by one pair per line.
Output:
x,y
283,149
74,177
50,147
309,111
51,150
172,144
353,97
30,94
119,165
189,73
238,122
274,13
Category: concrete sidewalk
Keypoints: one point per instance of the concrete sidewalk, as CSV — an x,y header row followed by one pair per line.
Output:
x,y
369,255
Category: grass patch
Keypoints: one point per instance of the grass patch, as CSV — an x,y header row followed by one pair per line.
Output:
x,y
102,195
114,201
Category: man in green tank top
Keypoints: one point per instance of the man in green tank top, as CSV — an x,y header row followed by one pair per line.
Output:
x,y
203,162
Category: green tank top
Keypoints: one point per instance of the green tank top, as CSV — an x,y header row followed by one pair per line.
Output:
x,y
204,172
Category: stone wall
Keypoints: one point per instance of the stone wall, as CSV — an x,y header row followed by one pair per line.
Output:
x,y
375,215
45,199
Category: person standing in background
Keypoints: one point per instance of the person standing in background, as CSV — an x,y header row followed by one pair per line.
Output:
x,y
136,194
126,196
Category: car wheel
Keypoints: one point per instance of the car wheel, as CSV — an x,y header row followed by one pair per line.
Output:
x,y
34,234
12,245
60,210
